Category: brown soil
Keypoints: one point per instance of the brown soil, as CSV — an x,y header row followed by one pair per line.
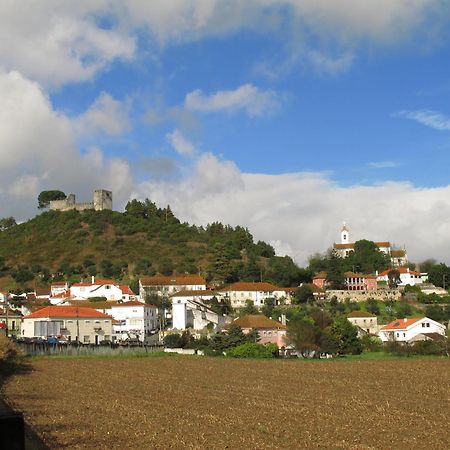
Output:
x,y
207,403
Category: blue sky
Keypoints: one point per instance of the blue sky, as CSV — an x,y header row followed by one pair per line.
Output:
x,y
259,112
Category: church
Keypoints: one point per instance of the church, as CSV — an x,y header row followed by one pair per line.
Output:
x,y
399,257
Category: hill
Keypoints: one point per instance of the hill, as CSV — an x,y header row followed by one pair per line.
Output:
x,y
143,240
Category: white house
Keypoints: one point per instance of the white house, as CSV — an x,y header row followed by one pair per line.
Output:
x,y
164,286
134,317
239,293
85,325
191,312
365,322
407,276
57,287
109,289
405,330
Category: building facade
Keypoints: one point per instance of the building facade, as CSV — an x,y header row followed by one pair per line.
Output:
x,y
408,329
85,325
165,286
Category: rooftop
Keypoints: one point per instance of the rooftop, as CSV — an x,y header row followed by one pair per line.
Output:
x,y
66,311
258,321
175,280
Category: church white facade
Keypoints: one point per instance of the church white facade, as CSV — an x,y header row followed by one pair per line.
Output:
x,y
399,257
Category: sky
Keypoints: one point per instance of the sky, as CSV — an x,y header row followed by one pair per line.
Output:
x,y
288,117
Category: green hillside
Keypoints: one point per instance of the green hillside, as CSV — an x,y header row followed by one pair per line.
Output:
x,y
143,240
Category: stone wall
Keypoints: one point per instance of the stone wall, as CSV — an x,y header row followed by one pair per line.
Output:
x,y
362,296
101,200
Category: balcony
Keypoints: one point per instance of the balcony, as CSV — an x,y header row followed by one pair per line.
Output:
x,y
97,328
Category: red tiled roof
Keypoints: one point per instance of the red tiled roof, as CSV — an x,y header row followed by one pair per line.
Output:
x,y
64,294
344,246
66,311
194,293
126,289
98,282
401,324
59,283
398,253
320,275
176,280
257,321
400,270
252,286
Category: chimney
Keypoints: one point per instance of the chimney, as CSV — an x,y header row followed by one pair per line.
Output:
x,y
93,279
407,270
405,320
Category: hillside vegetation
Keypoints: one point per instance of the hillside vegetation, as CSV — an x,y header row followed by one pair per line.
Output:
x,y
142,240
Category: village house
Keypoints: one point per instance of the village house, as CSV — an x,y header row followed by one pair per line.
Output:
x,y
365,322
134,317
57,287
412,329
109,289
407,276
269,331
190,310
257,292
74,323
352,281
398,257
164,286
10,320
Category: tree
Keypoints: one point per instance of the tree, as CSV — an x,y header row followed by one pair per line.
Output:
x,y
303,335
394,278
367,258
304,294
335,272
6,223
372,306
269,305
249,308
439,275
45,197
347,336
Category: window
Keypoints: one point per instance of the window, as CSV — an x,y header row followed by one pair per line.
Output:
x,y
107,337
87,321
428,324
69,321
107,286
398,334
97,321
86,339
404,334
423,325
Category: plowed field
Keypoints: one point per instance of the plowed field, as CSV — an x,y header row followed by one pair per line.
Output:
x,y
182,403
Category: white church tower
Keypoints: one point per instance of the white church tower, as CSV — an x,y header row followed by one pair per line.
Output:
x,y
345,235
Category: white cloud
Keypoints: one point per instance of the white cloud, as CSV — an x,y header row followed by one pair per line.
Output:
x,y
428,118
247,98
323,63
38,152
57,42
301,212
180,143
106,115
384,164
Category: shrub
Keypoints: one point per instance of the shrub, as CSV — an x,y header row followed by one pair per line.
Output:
x,y
8,351
252,350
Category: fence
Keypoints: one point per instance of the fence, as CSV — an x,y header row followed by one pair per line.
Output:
x,y
45,349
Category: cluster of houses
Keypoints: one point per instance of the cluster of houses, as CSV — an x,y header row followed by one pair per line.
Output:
x,y
103,310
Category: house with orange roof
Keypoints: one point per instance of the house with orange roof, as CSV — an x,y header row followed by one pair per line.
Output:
x,y
257,292
74,323
109,289
407,276
411,329
164,286
399,257
269,331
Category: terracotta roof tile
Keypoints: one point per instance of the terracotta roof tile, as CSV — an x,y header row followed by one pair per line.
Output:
x,y
401,324
66,311
252,286
356,314
257,321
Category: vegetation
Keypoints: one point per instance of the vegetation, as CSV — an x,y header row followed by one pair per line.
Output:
x,y
45,197
143,240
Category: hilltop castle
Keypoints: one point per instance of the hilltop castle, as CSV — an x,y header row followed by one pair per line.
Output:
x,y
399,257
102,200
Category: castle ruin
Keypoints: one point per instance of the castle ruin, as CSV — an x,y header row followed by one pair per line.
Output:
x,y
102,200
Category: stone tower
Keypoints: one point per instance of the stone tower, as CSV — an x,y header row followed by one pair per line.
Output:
x,y
345,235
102,199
